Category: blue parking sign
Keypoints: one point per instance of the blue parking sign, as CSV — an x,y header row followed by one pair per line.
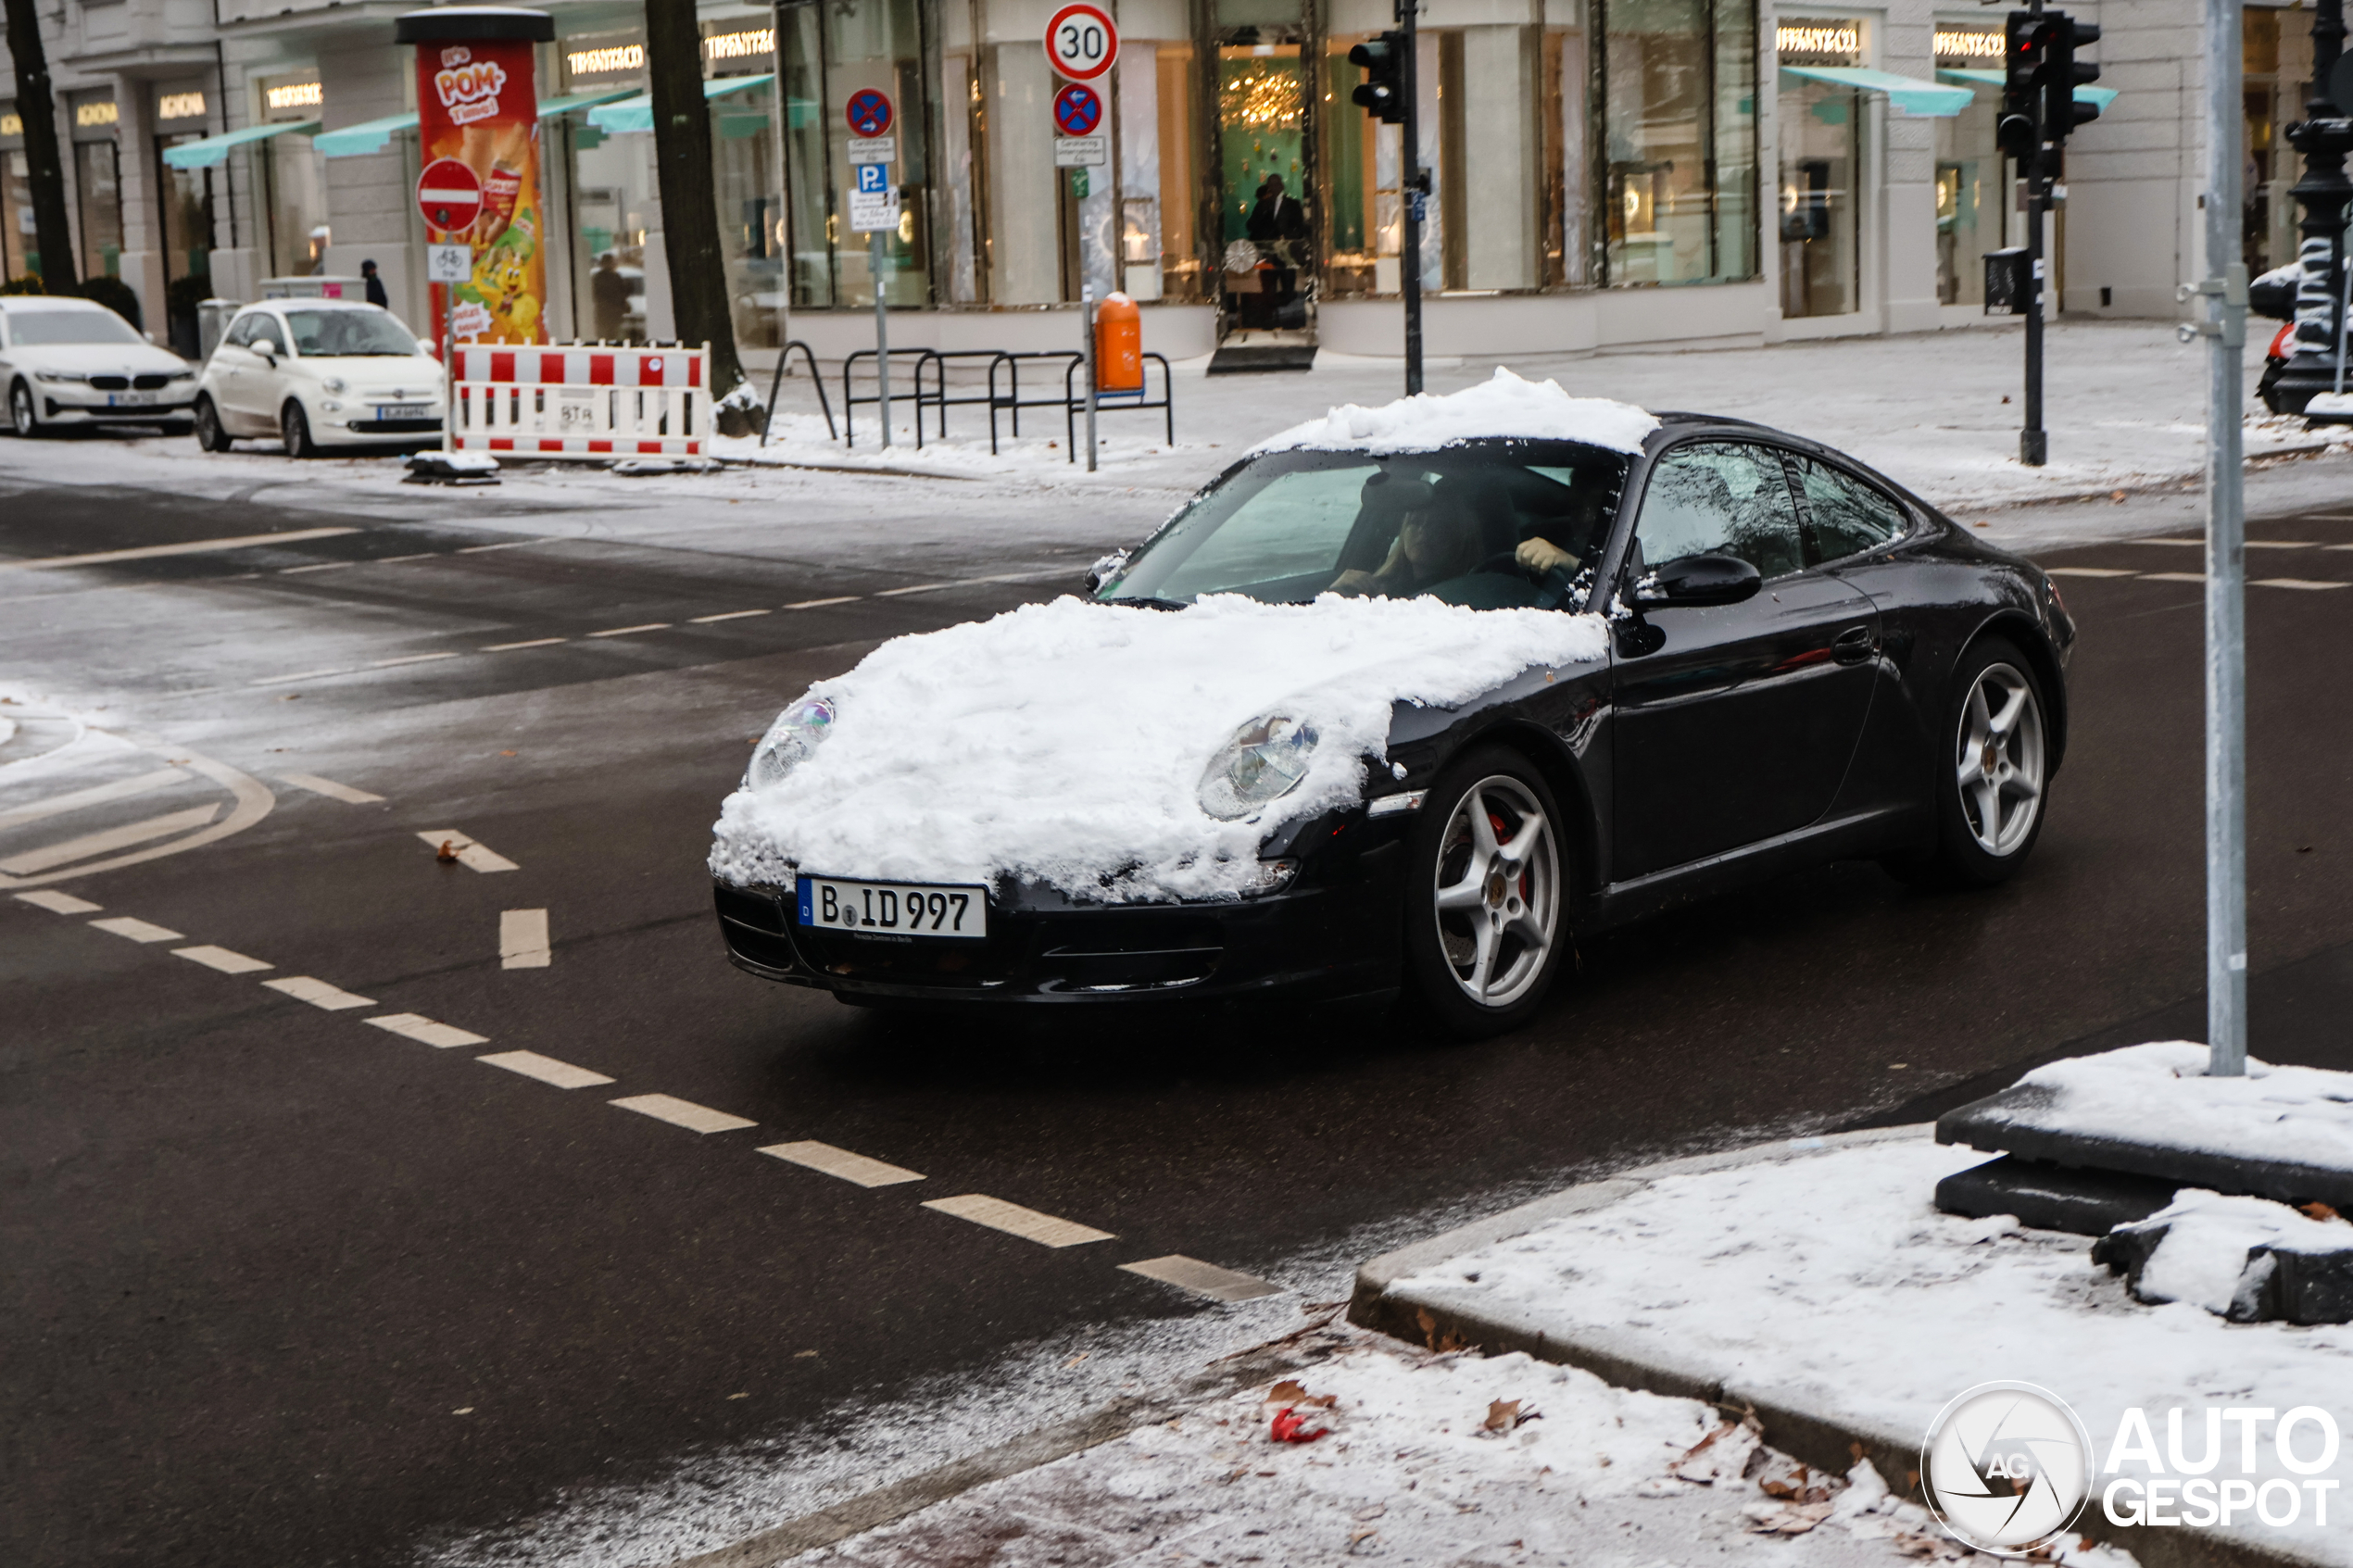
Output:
x,y
873,177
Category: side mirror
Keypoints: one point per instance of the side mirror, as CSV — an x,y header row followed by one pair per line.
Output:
x,y
1698,581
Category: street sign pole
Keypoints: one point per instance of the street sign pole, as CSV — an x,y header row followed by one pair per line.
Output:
x,y
2034,442
882,334
874,208
1414,194
1087,334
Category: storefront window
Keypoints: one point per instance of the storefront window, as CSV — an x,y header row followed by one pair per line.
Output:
x,y
1267,253
1971,174
1680,127
20,255
613,200
832,53
97,177
1181,271
185,197
1821,145
744,183
1565,106
1361,158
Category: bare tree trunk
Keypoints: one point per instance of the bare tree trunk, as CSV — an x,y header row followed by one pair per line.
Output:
x,y
51,227
689,201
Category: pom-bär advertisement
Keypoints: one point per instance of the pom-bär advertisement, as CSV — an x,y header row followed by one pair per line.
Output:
x,y
477,104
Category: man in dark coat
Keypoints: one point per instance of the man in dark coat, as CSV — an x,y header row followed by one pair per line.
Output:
x,y
377,294
1277,224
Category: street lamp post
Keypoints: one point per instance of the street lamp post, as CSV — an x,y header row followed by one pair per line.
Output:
x,y
2323,136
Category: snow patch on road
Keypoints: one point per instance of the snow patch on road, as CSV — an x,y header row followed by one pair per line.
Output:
x,y
1064,743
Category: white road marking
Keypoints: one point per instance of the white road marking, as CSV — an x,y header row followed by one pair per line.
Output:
x,y
534,642
2177,577
547,1069
509,545
631,631
305,675
137,929
2294,583
472,856
60,903
96,794
1041,576
221,959
522,939
330,789
193,548
2279,544
1202,1279
917,588
412,659
2178,544
424,1031
1014,1219
395,560
820,604
729,615
684,1113
316,566
318,993
2088,572
841,1162
88,845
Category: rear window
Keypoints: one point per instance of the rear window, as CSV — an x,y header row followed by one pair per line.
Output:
x,y
28,328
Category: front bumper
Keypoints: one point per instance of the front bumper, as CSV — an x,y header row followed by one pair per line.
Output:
x,y
72,405
1334,937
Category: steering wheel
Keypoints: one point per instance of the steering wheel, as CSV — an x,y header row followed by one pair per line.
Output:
x,y
1508,562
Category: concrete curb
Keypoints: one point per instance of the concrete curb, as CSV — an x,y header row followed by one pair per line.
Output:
x,y
1824,1439
886,1505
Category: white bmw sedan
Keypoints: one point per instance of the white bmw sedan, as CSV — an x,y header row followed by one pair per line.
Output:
x,y
318,372
67,361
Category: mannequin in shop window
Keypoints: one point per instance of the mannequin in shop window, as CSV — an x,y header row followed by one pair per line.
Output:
x,y
1277,223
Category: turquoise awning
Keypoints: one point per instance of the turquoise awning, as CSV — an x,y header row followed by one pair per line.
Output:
x,y
636,114
368,136
2098,97
552,108
213,151
1923,100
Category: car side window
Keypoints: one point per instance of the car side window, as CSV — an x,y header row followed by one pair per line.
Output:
x,y
1849,515
1719,497
241,330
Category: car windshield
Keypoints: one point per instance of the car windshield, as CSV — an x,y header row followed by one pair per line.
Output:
x,y
27,328
1489,524
336,333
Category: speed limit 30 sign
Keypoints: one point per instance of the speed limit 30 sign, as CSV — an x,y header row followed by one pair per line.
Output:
x,y
1082,42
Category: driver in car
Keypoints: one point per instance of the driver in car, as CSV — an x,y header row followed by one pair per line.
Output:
x,y
1434,544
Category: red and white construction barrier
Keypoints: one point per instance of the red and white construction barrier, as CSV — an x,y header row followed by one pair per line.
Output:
x,y
579,400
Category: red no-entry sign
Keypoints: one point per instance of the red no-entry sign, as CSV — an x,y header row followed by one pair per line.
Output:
x,y
449,194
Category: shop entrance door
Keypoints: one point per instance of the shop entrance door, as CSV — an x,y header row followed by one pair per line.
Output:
x,y
1268,260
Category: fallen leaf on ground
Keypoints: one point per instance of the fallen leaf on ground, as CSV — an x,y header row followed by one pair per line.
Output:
x,y
1502,1415
448,853
1290,1426
2321,1212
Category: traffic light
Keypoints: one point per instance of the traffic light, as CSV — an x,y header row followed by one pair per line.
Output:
x,y
2026,54
2063,73
1382,96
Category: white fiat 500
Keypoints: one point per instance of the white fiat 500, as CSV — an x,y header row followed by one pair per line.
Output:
x,y
318,372
67,361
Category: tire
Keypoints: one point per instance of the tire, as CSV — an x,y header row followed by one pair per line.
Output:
x,y
211,434
22,417
1460,887
294,428
1992,765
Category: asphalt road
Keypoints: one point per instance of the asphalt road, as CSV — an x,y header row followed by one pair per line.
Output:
x,y
284,1288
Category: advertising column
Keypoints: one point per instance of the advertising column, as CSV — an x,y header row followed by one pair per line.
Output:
x,y
478,105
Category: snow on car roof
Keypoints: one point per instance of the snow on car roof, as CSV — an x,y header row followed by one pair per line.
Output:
x,y
48,302
1063,742
1504,406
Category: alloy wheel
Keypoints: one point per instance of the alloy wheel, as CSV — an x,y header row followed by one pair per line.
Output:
x,y
1497,893
1999,760
295,430
21,409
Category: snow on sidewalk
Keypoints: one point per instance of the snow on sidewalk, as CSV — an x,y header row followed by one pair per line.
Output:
x,y
1428,1458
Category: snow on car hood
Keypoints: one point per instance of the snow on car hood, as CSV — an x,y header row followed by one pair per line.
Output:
x,y
1503,405
1062,743
99,358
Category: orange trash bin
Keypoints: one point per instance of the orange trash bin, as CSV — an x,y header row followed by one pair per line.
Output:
x,y
1119,345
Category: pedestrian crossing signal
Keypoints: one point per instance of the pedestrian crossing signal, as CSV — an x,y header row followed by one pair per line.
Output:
x,y
1382,96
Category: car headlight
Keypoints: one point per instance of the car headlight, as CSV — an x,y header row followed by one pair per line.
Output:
x,y
333,384
181,375
791,741
1264,761
61,375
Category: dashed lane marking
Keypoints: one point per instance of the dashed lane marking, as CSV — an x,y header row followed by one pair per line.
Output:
x,y
630,630
915,588
305,675
522,939
410,659
547,1069
684,1113
820,604
424,1031
395,560
2089,571
511,544
1013,1219
1202,1279
60,903
2304,583
471,856
137,929
726,615
318,993
96,794
191,547
316,566
221,959
840,1163
92,844
2176,577
534,642
330,789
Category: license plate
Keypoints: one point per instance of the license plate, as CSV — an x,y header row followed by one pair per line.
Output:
x,y
130,399
404,410
894,908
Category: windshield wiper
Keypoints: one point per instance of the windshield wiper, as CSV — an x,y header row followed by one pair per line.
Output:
x,y
1145,601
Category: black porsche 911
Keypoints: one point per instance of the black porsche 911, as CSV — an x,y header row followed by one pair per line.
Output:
x,y
1790,659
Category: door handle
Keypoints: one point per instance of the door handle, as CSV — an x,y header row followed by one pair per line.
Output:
x,y
1854,646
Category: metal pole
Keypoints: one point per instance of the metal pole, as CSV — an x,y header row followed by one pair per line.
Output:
x,y
1087,332
449,368
2034,442
882,336
1410,166
780,234
2225,332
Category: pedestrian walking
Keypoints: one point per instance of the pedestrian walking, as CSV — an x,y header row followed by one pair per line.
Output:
x,y
377,294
